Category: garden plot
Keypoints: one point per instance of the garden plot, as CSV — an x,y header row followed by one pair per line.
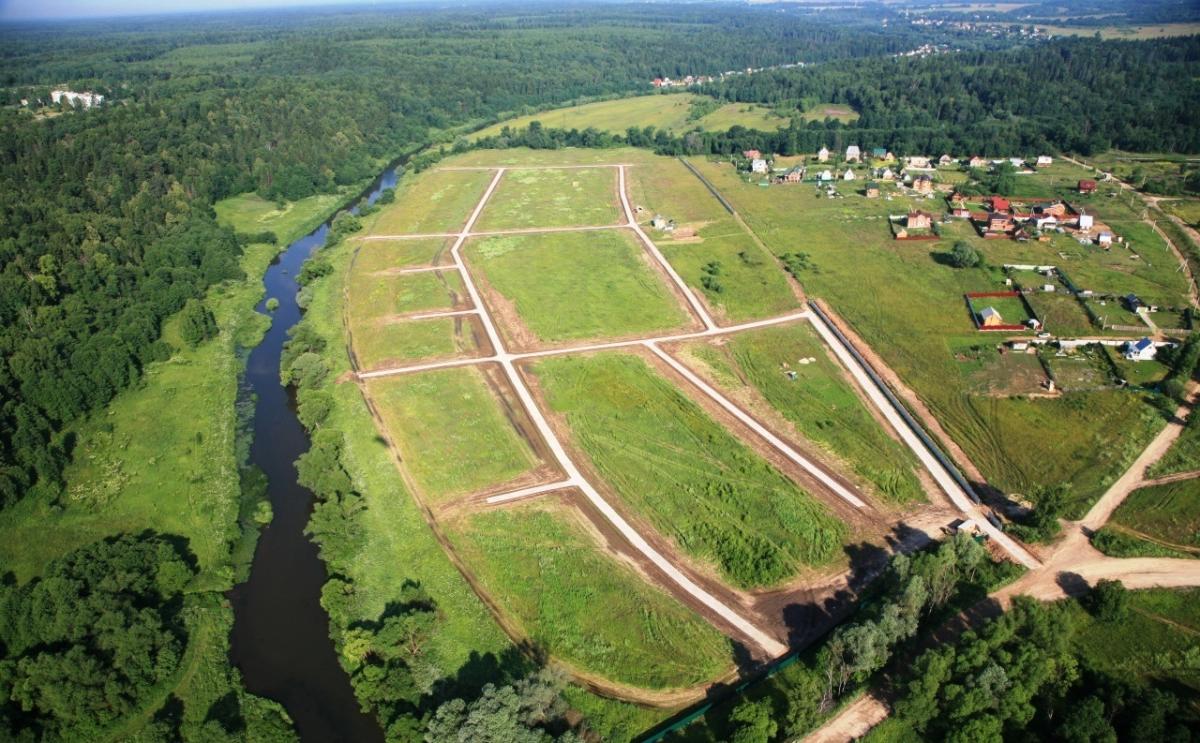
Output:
x,y
1000,372
550,197
692,479
456,429
1085,368
562,286
435,201
788,371
541,563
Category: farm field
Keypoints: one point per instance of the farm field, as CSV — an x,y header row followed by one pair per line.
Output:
x,y
690,477
1132,33
1165,514
384,256
1184,454
539,561
451,430
907,304
553,198
380,342
820,402
373,295
720,261
574,285
670,112
435,201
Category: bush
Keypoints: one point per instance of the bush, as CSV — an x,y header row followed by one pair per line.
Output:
x,y
1109,601
964,255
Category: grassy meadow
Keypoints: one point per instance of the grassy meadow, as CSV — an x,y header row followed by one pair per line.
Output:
x,y
250,213
575,285
552,198
664,456
907,303
451,431
435,201
842,112
672,112
381,342
721,261
820,402
381,256
591,610
374,295
1169,514
1184,454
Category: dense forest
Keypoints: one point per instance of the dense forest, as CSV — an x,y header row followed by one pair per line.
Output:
x,y
106,225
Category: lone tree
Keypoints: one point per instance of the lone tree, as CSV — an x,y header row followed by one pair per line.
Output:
x,y
1109,601
964,255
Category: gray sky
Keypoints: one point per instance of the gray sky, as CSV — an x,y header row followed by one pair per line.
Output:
x,y
30,9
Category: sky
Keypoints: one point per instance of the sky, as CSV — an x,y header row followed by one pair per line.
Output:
x,y
12,10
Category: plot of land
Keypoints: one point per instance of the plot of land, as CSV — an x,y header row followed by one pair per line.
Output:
x,y
572,285
544,568
837,111
993,372
1061,313
1164,513
435,201
373,295
1085,369
671,112
452,432
1184,454
386,341
553,198
818,400
689,476
381,256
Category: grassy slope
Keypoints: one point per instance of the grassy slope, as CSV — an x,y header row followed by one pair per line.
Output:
x,y
577,285
909,307
451,431
1184,454
668,112
584,606
552,198
822,405
717,499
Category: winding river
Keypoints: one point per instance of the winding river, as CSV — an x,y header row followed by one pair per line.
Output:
x,y
280,640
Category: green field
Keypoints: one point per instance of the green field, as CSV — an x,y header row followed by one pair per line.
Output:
x,y
1061,313
842,112
1184,454
250,213
1165,514
690,477
907,303
382,342
574,285
747,282
819,402
375,295
451,431
1186,209
433,202
670,112
581,605
572,197
376,256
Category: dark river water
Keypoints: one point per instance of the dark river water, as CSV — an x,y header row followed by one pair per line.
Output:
x,y
280,639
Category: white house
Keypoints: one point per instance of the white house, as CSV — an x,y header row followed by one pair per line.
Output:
x,y
1143,350
825,176
1017,162
1046,221
1044,160
758,165
1105,238
853,154
822,154
917,162
1085,222
945,160
848,175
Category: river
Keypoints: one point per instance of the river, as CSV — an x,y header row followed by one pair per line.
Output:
x,y
280,640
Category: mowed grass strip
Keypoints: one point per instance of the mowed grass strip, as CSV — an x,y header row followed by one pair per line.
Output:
x,y
688,475
435,201
582,605
373,295
822,405
451,431
1169,512
381,256
568,197
572,285
383,341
